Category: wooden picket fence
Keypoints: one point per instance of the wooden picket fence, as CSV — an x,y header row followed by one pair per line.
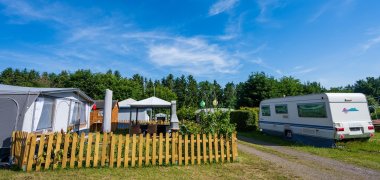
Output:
x,y
52,151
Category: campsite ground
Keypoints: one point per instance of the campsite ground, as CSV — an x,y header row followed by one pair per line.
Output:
x,y
260,157
361,153
248,167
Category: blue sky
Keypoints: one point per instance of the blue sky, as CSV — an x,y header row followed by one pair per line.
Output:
x,y
335,42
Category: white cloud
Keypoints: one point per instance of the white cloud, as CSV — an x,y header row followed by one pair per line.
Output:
x,y
194,56
261,62
370,43
266,6
108,44
221,6
337,7
301,71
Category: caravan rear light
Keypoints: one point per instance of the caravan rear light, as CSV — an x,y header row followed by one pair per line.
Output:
x,y
339,129
370,127
341,136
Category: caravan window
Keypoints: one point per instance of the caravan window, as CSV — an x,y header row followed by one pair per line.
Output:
x,y
265,110
281,109
315,110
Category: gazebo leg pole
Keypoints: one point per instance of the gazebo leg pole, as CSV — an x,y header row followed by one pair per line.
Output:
x,y
137,113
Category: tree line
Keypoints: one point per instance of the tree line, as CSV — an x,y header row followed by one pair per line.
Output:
x,y
185,89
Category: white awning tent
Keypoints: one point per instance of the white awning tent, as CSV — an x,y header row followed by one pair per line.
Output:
x,y
126,113
152,102
126,103
42,109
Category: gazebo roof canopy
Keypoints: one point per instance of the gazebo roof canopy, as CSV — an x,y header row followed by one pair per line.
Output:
x,y
126,103
152,102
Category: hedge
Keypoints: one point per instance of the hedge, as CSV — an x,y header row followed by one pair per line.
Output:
x,y
244,119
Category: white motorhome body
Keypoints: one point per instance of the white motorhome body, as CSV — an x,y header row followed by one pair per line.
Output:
x,y
313,118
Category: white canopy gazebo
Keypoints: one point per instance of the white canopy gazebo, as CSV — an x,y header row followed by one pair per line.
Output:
x,y
154,102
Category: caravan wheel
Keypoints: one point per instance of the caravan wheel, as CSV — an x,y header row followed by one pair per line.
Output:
x,y
288,134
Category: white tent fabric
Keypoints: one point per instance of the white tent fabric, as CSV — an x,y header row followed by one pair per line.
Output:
x,y
31,109
151,102
126,103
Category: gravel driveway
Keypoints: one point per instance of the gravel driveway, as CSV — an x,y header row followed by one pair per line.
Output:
x,y
305,165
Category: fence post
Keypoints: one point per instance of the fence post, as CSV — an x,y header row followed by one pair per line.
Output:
x,y
81,147
228,149
104,149
48,152
167,147
40,152
57,150
210,156
112,151
192,149
31,153
204,148
25,150
147,149
234,147
119,146
186,149
160,149
180,149
198,149
222,148
96,149
73,150
174,138
89,150
141,141
126,151
133,159
216,148
65,149
13,140
154,148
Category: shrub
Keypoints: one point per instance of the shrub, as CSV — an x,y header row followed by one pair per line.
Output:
x,y
186,113
255,113
243,119
190,127
210,123
217,123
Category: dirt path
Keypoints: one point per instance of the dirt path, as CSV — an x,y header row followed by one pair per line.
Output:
x,y
305,165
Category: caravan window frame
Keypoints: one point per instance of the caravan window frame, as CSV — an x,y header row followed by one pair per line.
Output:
x,y
323,115
279,105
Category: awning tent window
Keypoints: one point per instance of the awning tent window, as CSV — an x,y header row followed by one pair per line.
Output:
x,y
46,117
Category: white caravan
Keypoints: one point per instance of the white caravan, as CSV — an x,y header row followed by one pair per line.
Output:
x,y
317,119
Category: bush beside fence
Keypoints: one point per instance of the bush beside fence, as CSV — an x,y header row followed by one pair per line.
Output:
x,y
52,151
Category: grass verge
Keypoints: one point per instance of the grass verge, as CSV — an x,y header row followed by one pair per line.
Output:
x,y
362,153
248,167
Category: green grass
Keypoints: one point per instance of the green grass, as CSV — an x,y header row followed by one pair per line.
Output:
x,y
248,167
362,153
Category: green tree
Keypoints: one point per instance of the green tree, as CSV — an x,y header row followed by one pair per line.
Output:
x,y
192,92
229,95
313,88
289,86
258,87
